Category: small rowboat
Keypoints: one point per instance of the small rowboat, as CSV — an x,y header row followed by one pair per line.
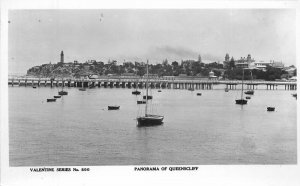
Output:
x,y
136,92
62,93
113,107
149,97
249,92
141,102
270,108
57,96
51,100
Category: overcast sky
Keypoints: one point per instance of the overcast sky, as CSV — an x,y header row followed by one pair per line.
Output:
x,y
38,36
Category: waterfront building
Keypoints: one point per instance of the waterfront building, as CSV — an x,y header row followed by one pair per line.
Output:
x,y
86,66
244,62
151,76
290,70
261,65
128,75
211,76
168,77
277,64
70,64
93,76
294,78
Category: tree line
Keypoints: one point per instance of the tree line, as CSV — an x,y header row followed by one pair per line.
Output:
x,y
187,67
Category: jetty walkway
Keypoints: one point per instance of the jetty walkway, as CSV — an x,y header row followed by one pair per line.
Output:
x,y
121,82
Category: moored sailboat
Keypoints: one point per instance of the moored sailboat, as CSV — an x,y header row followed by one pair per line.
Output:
x,y
149,119
62,92
241,101
136,92
250,92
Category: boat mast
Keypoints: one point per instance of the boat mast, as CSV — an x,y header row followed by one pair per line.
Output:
x,y
62,84
242,85
137,81
147,90
251,77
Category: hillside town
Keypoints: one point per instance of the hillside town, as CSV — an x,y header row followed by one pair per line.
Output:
x,y
230,68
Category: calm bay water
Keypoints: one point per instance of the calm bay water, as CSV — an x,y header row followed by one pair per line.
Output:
x,y
209,129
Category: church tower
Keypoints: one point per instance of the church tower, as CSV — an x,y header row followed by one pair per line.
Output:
x,y
248,58
62,57
199,59
226,62
227,57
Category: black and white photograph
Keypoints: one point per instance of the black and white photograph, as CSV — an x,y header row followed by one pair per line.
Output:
x,y
146,87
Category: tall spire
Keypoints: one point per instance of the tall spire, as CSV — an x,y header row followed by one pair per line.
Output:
x,y
62,57
227,57
199,59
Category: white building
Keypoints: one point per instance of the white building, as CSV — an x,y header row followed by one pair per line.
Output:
x,y
211,75
277,64
261,65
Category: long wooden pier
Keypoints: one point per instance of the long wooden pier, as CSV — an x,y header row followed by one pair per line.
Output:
x,y
153,83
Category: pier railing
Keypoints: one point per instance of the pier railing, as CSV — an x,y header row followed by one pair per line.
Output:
x,y
157,82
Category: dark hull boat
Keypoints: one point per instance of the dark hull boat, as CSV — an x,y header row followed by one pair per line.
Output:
x,y
62,93
113,107
51,100
199,94
82,89
159,91
141,102
57,96
149,120
270,108
226,89
248,97
249,92
294,95
241,101
136,92
149,97
33,87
